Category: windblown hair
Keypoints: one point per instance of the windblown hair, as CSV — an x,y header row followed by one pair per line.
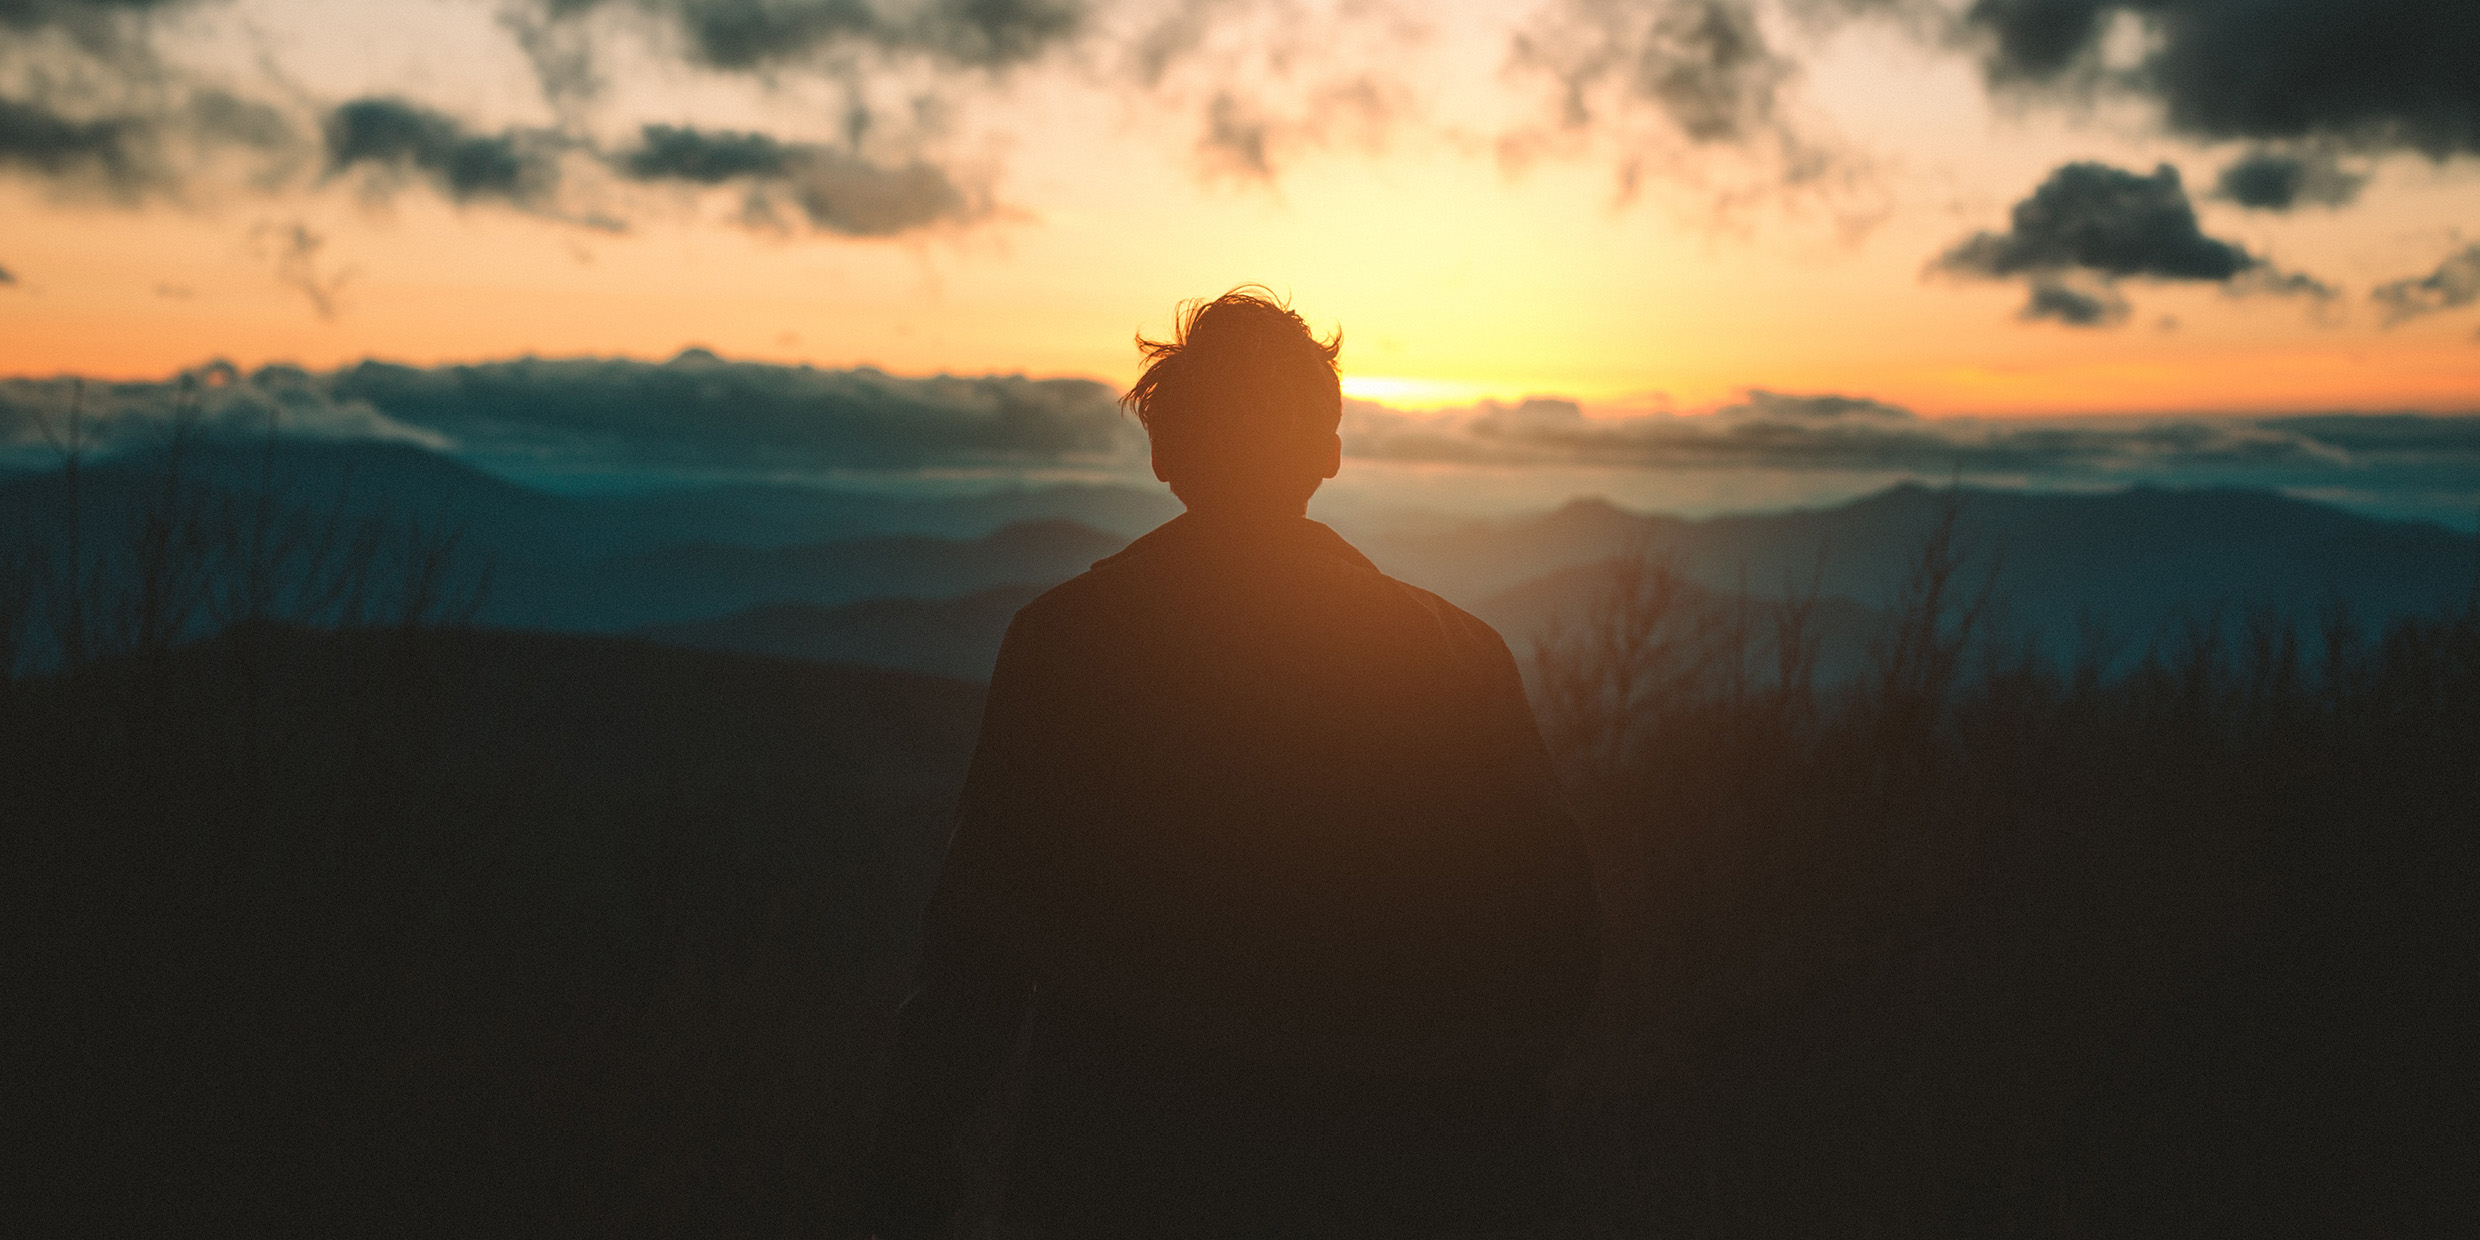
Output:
x,y
1243,370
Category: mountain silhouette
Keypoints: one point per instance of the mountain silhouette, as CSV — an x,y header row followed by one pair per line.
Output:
x,y
1561,601
956,637
697,581
2139,562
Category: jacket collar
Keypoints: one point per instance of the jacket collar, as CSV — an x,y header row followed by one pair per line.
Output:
x,y
1189,530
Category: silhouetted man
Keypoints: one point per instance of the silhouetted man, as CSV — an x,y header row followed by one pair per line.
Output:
x,y
1262,856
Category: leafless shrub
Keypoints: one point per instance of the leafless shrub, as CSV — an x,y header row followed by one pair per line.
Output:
x,y
1901,967
17,599
187,554
1644,643
1935,617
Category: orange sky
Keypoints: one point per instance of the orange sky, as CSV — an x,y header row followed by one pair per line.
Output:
x,y
1456,273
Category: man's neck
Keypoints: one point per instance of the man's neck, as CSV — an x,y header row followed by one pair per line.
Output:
x,y
1248,513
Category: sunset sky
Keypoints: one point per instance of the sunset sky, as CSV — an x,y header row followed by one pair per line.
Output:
x,y
1648,205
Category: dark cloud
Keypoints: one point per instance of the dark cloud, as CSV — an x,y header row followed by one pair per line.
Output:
x,y
517,166
7,277
2272,181
98,24
2104,219
92,105
111,150
1236,139
2090,225
2050,298
836,191
752,34
1703,64
26,14
707,157
2455,283
2372,73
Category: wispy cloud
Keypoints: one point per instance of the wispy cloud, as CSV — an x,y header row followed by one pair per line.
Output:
x,y
2454,284
294,250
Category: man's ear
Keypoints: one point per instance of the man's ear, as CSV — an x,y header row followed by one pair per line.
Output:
x,y
1333,464
1154,452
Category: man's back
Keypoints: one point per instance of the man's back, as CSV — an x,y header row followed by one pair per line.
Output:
x,y
1271,841
1262,856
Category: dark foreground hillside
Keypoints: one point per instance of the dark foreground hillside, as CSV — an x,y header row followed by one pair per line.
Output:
x,y
1978,944
452,933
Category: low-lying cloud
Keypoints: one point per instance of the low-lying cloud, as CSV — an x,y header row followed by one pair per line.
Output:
x,y
700,410
694,412
703,416
2090,225
1774,430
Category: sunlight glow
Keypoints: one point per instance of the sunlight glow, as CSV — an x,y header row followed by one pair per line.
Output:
x,y
1405,392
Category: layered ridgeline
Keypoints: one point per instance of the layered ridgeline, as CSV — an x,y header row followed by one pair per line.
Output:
x,y
338,915
925,582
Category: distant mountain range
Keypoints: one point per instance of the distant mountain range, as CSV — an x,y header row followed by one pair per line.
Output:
x,y
2138,562
927,582
947,637
702,579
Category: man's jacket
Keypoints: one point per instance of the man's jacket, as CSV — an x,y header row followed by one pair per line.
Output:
x,y
1267,845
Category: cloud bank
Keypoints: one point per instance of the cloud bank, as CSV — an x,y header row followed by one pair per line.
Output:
x,y
699,410
694,412
1775,430
703,416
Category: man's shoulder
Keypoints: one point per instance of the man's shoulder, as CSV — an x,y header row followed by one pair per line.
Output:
x,y
1120,582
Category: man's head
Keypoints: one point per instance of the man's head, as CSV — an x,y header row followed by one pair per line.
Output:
x,y
1241,405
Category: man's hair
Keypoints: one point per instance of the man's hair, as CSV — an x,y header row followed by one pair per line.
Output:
x,y
1243,377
